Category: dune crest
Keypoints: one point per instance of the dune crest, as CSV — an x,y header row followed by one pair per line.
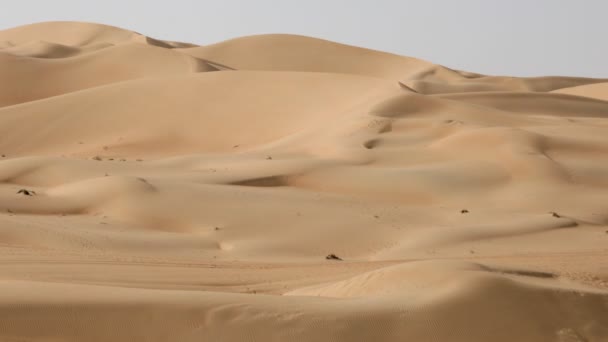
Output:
x,y
287,188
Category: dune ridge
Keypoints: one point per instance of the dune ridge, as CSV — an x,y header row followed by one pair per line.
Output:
x,y
163,191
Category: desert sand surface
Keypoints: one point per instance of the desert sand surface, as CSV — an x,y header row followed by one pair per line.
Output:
x,y
176,192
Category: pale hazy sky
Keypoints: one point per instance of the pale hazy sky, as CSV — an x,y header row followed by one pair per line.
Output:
x,y
514,37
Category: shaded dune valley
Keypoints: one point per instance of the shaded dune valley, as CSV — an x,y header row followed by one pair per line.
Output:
x,y
286,188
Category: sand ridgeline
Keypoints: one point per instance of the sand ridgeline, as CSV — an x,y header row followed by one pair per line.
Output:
x,y
286,188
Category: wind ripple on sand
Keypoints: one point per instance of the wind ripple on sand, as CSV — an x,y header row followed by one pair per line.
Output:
x,y
185,193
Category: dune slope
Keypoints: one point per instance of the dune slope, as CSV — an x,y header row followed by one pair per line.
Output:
x,y
287,188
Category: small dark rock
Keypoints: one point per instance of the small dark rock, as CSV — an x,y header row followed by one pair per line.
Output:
x,y
269,158
554,214
26,192
464,211
217,228
333,257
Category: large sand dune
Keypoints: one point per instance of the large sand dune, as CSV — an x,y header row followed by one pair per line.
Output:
x,y
192,193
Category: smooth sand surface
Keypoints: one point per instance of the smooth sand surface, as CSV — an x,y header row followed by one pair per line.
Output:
x,y
192,193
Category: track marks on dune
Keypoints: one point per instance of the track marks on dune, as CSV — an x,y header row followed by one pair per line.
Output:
x,y
286,164
412,279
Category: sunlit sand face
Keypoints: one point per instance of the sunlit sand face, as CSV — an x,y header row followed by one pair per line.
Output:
x,y
285,188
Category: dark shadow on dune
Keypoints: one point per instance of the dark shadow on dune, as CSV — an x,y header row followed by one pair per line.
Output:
x,y
523,273
272,181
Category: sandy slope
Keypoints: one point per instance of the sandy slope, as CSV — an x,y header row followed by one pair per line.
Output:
x,y
597,91
191,193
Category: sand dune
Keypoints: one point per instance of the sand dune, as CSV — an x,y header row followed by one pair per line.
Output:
x,y
282,52
597,91
174,192
42,49
497,83
67,33
31,79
